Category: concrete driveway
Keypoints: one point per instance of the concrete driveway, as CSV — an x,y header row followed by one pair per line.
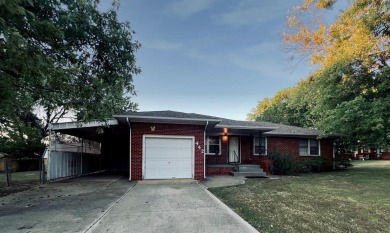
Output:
x,y
170,206
67,206
113,204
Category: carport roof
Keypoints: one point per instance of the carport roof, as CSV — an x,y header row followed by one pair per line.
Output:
x,y
87,130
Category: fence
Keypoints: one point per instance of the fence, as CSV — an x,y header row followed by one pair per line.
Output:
x,y
20,172
68,156
62,164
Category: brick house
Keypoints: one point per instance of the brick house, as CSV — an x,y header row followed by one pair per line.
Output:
x,y
169,144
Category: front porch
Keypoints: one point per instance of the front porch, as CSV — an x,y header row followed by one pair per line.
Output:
x,y
236,151
235,154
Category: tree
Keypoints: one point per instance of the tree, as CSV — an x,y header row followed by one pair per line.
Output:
x,y
353,56
266,103
291,106
62,57
356,102
361,33
349,93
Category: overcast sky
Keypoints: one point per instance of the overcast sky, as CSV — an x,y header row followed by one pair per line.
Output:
x,y
213,57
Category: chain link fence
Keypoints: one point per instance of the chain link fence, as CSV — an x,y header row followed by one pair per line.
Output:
x,y
15,172
66,157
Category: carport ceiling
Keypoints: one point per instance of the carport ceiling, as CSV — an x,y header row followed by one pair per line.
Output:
x,y
88,130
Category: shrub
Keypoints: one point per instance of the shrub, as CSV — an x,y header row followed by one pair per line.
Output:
x,y
343,154
283,163
312,164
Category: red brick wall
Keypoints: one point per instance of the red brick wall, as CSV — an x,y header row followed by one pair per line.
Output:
x,y
219,170
291,145
219,159
247,150
285,144
327,148
139,129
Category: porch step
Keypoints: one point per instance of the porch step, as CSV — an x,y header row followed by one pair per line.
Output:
x,y
249,170
250,174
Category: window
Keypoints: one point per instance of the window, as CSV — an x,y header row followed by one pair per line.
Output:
x,y
309,147
213,145
262,147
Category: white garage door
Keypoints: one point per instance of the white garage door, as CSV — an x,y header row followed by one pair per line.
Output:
x,y
168,158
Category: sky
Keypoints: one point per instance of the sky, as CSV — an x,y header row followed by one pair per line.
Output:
x,y
212,57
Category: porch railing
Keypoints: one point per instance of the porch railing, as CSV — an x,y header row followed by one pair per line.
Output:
x,y
236,163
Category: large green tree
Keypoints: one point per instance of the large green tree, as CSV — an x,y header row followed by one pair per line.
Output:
x,y
61,58
350,91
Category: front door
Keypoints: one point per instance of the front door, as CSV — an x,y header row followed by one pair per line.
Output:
x,y
234,149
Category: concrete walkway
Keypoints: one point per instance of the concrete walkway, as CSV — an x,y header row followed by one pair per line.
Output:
x,y
222,181
167,206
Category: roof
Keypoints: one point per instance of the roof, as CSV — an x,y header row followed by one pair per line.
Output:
x,y
168,114
268,127
167,117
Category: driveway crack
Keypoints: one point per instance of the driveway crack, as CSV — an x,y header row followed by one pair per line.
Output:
x,y
108,210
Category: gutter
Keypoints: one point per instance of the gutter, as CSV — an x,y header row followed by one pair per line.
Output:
x,y
204,150
128,123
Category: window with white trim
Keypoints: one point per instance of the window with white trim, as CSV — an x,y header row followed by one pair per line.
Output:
x,y
262,146
309,147
213,145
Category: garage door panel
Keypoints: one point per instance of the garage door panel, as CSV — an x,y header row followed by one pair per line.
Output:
x,y
167,158
154,153
163,174
168,143
173,164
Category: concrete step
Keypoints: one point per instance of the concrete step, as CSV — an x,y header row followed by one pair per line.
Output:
x,y
248,168
250,174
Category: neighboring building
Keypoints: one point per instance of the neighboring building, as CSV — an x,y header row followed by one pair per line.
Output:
x,y
372,153
169,144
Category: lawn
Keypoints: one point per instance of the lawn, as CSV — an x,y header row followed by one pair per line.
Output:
x,y
20,177
354,200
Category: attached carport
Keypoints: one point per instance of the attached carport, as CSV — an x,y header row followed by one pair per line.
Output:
x,y
111,137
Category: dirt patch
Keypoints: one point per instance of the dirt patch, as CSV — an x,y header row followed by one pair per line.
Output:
x,y
4,191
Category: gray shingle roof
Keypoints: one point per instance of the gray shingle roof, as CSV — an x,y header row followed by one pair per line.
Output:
x,y
169,114
280,128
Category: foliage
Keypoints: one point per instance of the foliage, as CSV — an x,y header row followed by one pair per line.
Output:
x,y
312,165
266,103
343,154
296,109
350,92
62,58
361,32
283,163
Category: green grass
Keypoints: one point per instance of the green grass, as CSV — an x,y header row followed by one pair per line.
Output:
x,y
20,177
354,200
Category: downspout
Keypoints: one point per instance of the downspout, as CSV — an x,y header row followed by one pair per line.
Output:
x,y
128,123
204,150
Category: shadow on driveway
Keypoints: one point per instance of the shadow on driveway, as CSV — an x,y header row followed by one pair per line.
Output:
x,y
66,206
